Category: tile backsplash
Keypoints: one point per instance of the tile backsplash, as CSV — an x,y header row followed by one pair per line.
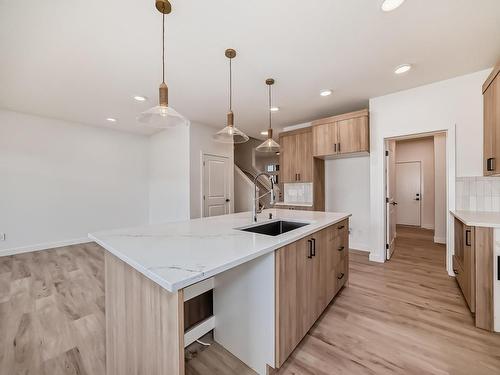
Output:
x,y
478,194
298,193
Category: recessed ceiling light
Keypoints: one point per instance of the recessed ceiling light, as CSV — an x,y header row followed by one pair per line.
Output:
x,y
140,98
402,68
274,109
325,92
264,132
111,119
390,5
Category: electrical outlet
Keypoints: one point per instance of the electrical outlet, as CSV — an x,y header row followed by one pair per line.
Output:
x,y
2,236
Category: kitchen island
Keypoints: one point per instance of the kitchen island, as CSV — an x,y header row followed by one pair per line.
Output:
x,y
265,291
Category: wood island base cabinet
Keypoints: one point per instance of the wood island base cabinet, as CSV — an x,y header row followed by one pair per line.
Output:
x,y
145,328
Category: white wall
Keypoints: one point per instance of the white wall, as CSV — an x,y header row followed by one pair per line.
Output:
x,y
422,150
169,177
453,105
61,180
440,208
347,184
201,142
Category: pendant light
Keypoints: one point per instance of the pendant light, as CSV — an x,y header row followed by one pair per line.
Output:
x,y
230,134
162,116
269,145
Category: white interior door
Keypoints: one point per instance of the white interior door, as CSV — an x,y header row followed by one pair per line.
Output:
x,y
408,195
391,201
216,187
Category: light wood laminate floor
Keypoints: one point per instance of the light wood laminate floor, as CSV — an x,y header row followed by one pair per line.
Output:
x,y
402,317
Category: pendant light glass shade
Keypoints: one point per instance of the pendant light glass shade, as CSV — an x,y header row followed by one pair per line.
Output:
x,y
269,145
162,116
230,134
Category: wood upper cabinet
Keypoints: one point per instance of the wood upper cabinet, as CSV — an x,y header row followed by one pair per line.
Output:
x,y
340,135
309,273
296,160
325,139
491,124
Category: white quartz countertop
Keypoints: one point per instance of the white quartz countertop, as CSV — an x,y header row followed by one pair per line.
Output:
x,y
176,255
478,218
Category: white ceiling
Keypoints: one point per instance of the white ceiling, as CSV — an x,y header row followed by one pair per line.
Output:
x,y
84,60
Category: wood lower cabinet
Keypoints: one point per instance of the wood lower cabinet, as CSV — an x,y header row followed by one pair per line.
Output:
x,y
473,268
341,135
464,261
309,273
491,124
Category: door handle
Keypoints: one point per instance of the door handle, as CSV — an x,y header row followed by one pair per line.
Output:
x,y
228,200
313,246
341,248
341,227
309,255
490,164
467,237
455,271
394,203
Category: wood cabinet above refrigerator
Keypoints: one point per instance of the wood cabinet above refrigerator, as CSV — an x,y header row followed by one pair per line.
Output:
x,y
491,124
341,135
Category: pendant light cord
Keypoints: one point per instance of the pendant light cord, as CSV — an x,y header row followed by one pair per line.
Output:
x,y
270,113
163,49
230,85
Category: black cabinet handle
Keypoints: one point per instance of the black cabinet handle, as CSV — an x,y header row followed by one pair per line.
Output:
x,y
490,164
341,248
299,176
498,267
341,227
335,147
341,276
309,255
467,237
313,246
455,271
339,146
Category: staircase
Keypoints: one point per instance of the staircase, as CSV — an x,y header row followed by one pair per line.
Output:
x,y
244,180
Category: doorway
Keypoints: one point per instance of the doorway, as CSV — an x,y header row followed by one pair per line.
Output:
x,y
416,191
216,188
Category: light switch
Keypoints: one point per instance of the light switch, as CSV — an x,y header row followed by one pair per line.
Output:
x,y
2,236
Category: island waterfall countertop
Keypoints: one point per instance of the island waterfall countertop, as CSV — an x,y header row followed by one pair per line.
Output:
x,y
478,218
179,254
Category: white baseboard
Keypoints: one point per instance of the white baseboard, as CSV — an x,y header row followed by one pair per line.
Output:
x,y
43,246
359,246
376,258
441,240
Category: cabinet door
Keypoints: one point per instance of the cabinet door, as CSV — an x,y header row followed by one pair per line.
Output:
x,y
318,277
489,129
459,242
288,151
325,139
353,135
303,157
293,270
